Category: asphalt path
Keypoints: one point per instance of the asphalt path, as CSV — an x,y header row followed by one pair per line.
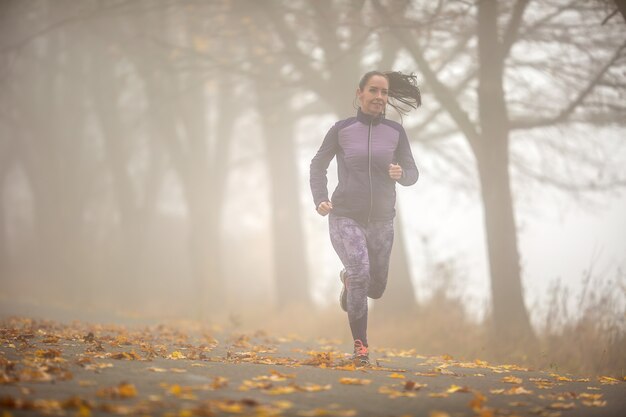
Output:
x,y
80,369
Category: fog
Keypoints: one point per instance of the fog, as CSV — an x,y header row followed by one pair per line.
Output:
x,y
154,159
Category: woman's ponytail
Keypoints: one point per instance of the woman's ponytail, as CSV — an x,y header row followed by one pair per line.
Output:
x,y
403,89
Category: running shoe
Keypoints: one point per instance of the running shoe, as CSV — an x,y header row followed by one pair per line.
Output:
x,y
361,353
343,296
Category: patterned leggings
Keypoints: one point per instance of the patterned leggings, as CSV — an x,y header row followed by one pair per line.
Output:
x,y
364,251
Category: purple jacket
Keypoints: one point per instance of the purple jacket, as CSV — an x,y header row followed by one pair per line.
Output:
x,y
364,147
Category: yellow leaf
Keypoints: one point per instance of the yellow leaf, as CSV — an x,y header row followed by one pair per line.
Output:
x,y
562,406
396,375
590,396
219,382
518,391
127,390
228,407
283,405
355,381
455,388
512,380
594,403
607,380
83,411
176,355
313,387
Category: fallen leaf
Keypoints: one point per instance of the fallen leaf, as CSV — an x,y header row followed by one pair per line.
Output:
x,y
562,378
512,380
594,403
426,374
590,396
413,386
355,381
477,402
274,376
289,389
176,355
455,388
394,393
562,406
219,382
517,391
396,375
123,390
313,387
607,380
48,353
183,392
130,356
230,407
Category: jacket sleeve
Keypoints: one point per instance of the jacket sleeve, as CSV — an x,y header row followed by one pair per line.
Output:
x,y
319,166
404,156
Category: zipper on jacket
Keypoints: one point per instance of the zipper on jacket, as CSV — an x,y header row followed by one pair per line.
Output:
x,y
369,170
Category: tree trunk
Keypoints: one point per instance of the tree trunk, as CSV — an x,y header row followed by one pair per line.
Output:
x,y
290,264
492,154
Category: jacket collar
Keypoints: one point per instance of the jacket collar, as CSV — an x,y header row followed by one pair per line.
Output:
x,y
367,118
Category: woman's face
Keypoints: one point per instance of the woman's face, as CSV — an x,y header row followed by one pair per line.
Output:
x,y
373,97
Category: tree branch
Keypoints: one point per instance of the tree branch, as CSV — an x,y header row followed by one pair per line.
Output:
x,y
567,111
441,91
82,17
513,28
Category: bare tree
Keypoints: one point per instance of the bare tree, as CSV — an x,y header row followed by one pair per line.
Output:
x,y
492,99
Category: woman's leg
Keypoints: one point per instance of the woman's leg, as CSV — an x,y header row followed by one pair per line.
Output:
x,y
349,241
379,243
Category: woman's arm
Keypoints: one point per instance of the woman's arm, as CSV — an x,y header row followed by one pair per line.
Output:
x,y
404,158
319,166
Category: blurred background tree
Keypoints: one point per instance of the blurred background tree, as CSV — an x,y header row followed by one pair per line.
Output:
x,y
146,147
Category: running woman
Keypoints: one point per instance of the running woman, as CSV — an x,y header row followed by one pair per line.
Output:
x,y
373,154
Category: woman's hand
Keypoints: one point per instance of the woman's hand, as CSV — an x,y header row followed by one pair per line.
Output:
x,y
395,171
324,208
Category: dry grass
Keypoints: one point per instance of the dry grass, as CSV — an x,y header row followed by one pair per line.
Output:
x,y
588,342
